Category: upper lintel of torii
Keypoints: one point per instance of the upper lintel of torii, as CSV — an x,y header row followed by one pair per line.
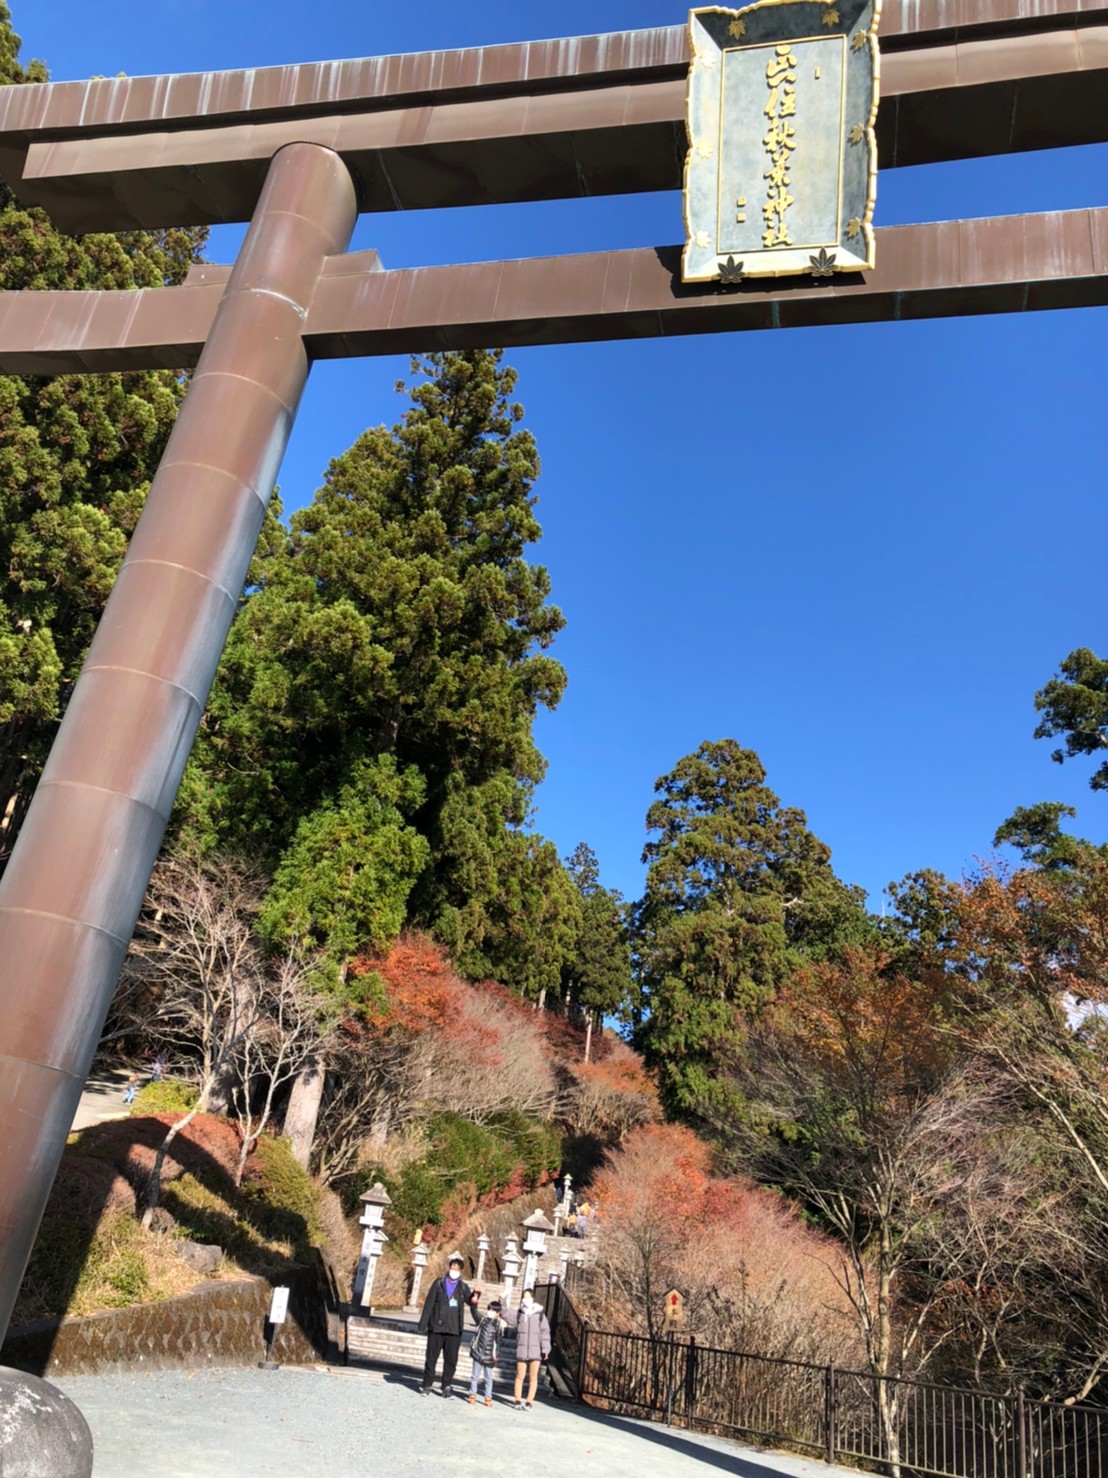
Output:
x,y
534,120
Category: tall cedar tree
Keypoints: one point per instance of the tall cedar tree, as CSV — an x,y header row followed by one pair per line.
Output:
x,y
738,890
1075,705
77,453
400,618
597,976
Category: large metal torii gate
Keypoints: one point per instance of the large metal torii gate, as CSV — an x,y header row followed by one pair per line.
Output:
x,y
299,151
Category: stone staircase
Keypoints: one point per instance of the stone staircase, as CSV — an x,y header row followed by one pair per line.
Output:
x,y
391,1342
551,1264
389,1339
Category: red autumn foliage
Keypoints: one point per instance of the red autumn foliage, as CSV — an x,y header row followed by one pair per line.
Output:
x,y
480,1049
421,989
207,1146
753,1275
85,1189
567,1039
615,1095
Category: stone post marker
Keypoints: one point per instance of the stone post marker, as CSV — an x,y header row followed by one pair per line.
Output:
x,y
512,1266
562,1209
373,1241
419,1262
482,1253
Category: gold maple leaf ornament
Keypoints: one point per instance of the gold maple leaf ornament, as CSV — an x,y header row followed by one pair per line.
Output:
x,y
859,41
830,16
854,226
857,133
824,264
731,272
737,29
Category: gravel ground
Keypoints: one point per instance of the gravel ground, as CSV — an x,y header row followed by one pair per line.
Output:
x,y
314,1421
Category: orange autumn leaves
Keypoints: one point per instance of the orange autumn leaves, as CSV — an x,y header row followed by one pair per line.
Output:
x,y
476,1047
753,1275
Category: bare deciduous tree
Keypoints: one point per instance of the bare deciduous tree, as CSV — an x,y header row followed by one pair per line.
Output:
x,y
290,1026
198,987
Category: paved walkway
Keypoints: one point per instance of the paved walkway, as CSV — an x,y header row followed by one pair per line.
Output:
x,y
314,1421
103,1098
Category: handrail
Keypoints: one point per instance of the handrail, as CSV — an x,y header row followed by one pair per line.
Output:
x,y
899,1423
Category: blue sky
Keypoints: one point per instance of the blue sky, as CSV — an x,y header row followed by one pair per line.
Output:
x,y
873,616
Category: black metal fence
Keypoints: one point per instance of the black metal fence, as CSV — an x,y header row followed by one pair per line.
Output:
x,y
898,1426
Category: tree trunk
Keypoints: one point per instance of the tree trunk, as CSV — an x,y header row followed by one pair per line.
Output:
x,y
303,1110
154,1184
379,1125
541,1002
588,1036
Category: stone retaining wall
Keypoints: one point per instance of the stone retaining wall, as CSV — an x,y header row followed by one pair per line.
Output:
x,y
215,1324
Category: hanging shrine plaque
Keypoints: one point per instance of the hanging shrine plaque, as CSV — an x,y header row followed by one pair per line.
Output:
x,y
781,173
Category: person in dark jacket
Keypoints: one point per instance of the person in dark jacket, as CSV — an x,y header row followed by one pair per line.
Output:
x,y
485,1351
442,1321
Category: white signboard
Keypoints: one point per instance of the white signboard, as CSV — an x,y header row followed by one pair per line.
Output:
x,y
278,1306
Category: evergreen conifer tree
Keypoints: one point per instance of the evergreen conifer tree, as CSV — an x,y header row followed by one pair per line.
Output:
x,y
77,454
738,891
400,618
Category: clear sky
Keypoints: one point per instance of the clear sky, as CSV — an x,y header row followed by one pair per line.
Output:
x,y
874,612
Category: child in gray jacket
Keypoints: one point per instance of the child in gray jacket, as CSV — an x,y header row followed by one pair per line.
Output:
x,y
485,1351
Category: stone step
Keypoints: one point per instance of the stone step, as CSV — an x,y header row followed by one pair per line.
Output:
x,y
409,1356
371,1344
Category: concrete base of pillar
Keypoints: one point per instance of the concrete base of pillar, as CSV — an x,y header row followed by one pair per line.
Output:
x,y
42,1433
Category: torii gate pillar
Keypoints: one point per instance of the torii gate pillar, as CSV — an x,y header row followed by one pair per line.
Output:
x,y
112,776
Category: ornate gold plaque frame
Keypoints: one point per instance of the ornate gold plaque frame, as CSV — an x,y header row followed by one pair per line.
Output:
x,y
781,170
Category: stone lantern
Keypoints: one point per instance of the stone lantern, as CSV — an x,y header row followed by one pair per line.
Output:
x,y
373,1240
565,1205
482,1253
535,1229
419,1262
512,1266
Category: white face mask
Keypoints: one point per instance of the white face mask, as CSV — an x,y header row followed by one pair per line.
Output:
x,y
528,1303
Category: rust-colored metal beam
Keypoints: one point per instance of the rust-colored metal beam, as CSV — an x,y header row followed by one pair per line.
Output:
x,y
1000,264
1057,259
76,878
541,120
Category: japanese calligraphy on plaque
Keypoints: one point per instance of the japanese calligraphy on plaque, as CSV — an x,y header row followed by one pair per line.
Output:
x,y
781,173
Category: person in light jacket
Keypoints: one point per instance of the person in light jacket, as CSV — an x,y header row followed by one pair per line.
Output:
x,y
532,1347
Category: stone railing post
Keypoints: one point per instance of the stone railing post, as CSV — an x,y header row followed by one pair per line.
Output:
x,y
512,1266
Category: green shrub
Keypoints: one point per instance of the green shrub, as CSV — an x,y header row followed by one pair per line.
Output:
x,y
114,1271
461,1150
167,1096
240,1225
463,1153
283,1200
59,1255
536,1144
417,1195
